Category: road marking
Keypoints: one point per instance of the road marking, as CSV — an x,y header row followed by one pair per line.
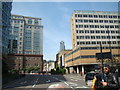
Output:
x,y
35,82
23,82
68,85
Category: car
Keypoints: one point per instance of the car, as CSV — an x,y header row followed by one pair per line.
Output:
x,y
89,77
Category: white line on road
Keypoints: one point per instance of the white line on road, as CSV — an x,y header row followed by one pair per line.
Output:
x,y
35,82
68,85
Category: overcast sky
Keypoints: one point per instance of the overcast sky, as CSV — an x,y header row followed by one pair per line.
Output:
x,y
56,20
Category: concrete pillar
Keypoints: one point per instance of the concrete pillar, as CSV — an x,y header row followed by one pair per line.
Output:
x,y
83,69
78,70
71,69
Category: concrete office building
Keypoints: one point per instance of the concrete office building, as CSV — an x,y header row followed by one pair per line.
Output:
x,y
89,29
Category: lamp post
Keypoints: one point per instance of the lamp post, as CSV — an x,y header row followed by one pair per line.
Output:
x,y
110,46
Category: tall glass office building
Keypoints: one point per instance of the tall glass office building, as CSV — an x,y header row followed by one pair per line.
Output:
x,y
26,35
5,15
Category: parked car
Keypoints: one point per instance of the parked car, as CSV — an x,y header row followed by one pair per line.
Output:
x,y
89,77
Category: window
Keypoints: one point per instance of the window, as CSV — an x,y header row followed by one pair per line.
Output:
x,y
95,16
29,21
96,26
87,43
81,37
110,16
36,22
92,37
94,42
97,31
105,21
101,26
75,15
91,21
85,20
77,37
100,16
90,15
77,31
110,21
101,21
86,31
103,37
115,21
80,21
97,37
96,21
91,31
114,16
91,26
87,37
79,15
102,31
85,26
20,34
104,42
84,15
81,31
20,38
112,31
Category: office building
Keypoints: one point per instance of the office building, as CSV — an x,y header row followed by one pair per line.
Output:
x,y
26,35
62,45
5,16
26,42
89,30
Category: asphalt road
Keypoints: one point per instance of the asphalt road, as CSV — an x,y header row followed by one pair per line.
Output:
x,y
30,82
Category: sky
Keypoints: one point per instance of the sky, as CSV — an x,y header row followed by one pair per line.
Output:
x,y
56,20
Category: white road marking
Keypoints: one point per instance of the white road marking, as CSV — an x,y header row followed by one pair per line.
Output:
x,y
68,85
23,82
35,82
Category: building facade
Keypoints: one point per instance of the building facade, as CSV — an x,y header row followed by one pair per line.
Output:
x,y
60,58
5,16
26,35
89,30
26,42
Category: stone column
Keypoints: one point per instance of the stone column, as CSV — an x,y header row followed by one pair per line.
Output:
x,y
83,69
78,70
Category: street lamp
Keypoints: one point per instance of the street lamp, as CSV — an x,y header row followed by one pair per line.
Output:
x,y
110,46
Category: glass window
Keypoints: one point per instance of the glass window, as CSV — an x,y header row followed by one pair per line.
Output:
x,y
92,37
29,21
97,37
105,21
79,15
97,31
95,16
36,22
86,31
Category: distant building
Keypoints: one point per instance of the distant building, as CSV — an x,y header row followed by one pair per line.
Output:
x,y
62,46
51,65
60,58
